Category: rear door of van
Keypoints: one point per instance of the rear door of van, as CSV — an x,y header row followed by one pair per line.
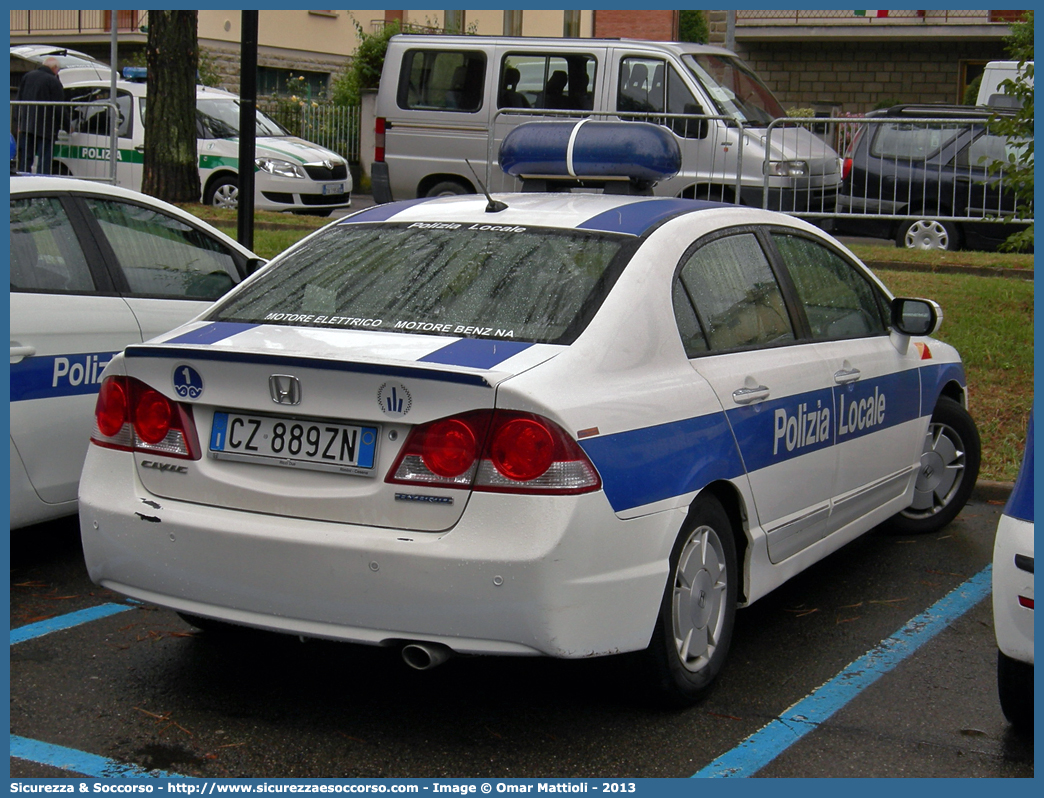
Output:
x,y
436,117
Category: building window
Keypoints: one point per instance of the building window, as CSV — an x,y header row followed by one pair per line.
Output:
x,y
571,24
454,21
513,23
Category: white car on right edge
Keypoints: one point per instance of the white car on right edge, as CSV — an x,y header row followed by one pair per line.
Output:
x,y
1013,597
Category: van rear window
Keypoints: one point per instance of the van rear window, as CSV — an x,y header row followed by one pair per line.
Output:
x,y
442,80
522,283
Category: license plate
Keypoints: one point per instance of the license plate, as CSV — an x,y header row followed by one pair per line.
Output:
x,y
333,188
309,444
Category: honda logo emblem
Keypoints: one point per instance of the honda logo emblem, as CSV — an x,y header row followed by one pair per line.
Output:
x,y
285,390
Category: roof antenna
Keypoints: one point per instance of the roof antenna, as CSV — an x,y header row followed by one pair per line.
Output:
x,y
493,206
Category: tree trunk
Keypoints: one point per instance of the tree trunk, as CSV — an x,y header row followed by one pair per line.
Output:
x,y
171,168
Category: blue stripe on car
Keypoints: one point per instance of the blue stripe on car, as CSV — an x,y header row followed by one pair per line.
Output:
x,y
637,218
284,361
781,429
1020,503
45,377
933,378
476,353
382,213
647,465
212,333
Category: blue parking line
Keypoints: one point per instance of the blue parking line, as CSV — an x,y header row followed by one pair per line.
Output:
x,y
818,706
41,628
92,765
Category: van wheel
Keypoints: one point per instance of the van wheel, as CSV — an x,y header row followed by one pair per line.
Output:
x,y
447,188
694,629
947,472
223,193
928,233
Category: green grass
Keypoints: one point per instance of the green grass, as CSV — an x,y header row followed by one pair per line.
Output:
x,y
988,319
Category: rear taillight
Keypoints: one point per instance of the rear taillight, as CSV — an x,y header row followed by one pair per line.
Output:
x,y
131,416
846,168
378,140
501,451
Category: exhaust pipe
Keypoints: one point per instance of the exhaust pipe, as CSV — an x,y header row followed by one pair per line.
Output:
x,y
424,656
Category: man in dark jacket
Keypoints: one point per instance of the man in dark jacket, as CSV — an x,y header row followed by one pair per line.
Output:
x,y
38,124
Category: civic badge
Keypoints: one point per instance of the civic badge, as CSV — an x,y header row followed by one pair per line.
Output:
x,y
284,389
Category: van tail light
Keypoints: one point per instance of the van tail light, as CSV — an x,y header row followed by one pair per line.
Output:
x,y
499,451
846,168
132,417
378,140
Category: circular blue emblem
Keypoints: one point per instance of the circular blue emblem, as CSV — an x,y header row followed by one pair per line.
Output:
x,y
187,382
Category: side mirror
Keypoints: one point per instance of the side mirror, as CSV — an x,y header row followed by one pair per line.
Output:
x,y
915,316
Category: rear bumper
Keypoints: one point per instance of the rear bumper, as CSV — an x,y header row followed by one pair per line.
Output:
x,y
517,575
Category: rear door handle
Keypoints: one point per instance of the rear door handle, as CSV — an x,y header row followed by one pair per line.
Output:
x,y
846,376
746,396
19,353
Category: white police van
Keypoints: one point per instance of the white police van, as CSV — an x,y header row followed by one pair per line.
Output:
x,y
291,174
563,424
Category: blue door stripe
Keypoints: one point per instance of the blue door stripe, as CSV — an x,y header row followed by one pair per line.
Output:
x,y
92,765
41,628
811,712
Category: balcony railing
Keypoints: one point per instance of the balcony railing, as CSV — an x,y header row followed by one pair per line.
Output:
x,y
27,23
903,17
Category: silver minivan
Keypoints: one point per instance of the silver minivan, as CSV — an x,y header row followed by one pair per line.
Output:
x,y
447,101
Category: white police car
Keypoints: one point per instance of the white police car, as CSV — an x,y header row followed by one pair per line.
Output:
x,y
562,424
291,174
1013,596
93,268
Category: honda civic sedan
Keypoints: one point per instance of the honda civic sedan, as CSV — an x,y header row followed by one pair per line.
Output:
x,y
557,424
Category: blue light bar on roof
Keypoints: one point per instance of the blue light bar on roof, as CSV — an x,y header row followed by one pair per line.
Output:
x,y
591,149
136,74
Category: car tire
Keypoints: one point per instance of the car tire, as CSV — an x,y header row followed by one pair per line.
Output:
x,y
694,628
928,233
1015,689
947,472
223,193
447,188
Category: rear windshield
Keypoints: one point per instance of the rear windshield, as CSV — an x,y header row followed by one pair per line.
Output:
x,y
472,281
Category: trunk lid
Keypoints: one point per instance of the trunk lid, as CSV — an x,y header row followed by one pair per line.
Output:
x,y
346,401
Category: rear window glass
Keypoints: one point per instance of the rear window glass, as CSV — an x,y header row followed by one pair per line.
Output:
x,y
530,284
914,140
442,80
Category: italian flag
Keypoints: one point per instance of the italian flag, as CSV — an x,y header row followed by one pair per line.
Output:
x,y
877,14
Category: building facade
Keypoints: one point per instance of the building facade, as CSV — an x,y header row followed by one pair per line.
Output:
x,y
832,61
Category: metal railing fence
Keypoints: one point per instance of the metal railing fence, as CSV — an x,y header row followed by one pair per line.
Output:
x,y
331,126
84,140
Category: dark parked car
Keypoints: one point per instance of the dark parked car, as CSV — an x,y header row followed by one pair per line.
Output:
x,y
927,163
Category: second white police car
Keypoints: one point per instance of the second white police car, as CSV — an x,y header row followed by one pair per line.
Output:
x,y
563,424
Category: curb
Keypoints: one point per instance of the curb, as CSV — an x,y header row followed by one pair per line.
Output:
x,y
988,491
